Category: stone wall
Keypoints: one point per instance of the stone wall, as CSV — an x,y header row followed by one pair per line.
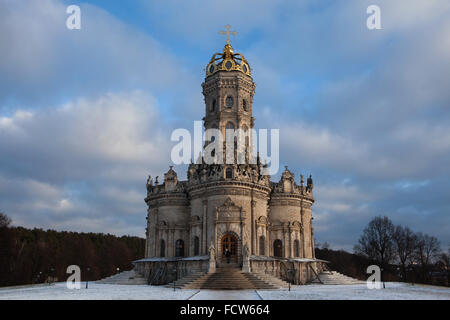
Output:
x,y
176,268
301,269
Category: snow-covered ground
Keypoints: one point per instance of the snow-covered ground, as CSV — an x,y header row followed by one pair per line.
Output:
x,y
59,291
393,291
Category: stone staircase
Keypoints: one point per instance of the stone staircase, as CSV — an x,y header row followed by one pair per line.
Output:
x,y
277,282
228,278
125,277
191,281
334,278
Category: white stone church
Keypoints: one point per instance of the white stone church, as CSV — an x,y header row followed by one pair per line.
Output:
x,y
265,226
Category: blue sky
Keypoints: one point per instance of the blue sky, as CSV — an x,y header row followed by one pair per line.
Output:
x,y
86,115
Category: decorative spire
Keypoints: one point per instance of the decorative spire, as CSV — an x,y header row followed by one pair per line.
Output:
x,y
309,184
227,60
228,32
228,51
286,174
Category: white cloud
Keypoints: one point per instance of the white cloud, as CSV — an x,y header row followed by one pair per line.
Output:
x,y
371,106
86,159
40,56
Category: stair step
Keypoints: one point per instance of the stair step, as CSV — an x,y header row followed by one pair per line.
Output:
x,y
335,278
227,278
125,278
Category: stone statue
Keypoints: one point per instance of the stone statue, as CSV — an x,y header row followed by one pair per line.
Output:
x,y
246,259
309,183
149,183
245,252
212,259
212,252
204,174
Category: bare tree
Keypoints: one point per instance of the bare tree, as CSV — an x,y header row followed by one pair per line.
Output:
x,y
444,265
376,241
405,242
427,249
5,221
6,248
325,245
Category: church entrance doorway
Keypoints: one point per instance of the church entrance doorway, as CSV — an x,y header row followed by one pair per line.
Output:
x,y
277,248
229,242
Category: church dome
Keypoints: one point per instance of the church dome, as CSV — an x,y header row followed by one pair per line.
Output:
x,y
228,61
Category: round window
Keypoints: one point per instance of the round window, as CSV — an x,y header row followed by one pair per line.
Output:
x,y
229,101
228,65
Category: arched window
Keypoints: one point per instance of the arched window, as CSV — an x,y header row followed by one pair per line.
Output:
x,y
230,125
229,173
213,105
246,133
278,248
196,246
296,248
162,248
262,246
179,248
244,105
229,101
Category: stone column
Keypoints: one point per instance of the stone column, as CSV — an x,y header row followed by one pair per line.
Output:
x,y
154,248
313,254
302,230
257,248
147,239
205,226
286,243
243,241
216,239
167,242
153,216
172,243
190,251
290,242
253,226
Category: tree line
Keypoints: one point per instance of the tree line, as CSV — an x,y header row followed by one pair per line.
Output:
x,y
403,255
36,255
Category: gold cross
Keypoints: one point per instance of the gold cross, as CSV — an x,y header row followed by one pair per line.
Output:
x,y
228,32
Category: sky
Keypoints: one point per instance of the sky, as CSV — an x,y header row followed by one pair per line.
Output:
x,y
86,115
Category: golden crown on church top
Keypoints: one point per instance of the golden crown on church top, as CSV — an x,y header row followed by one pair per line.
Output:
x,y
228,61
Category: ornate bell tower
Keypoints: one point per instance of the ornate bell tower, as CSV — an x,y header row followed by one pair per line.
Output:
x,y
228,92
